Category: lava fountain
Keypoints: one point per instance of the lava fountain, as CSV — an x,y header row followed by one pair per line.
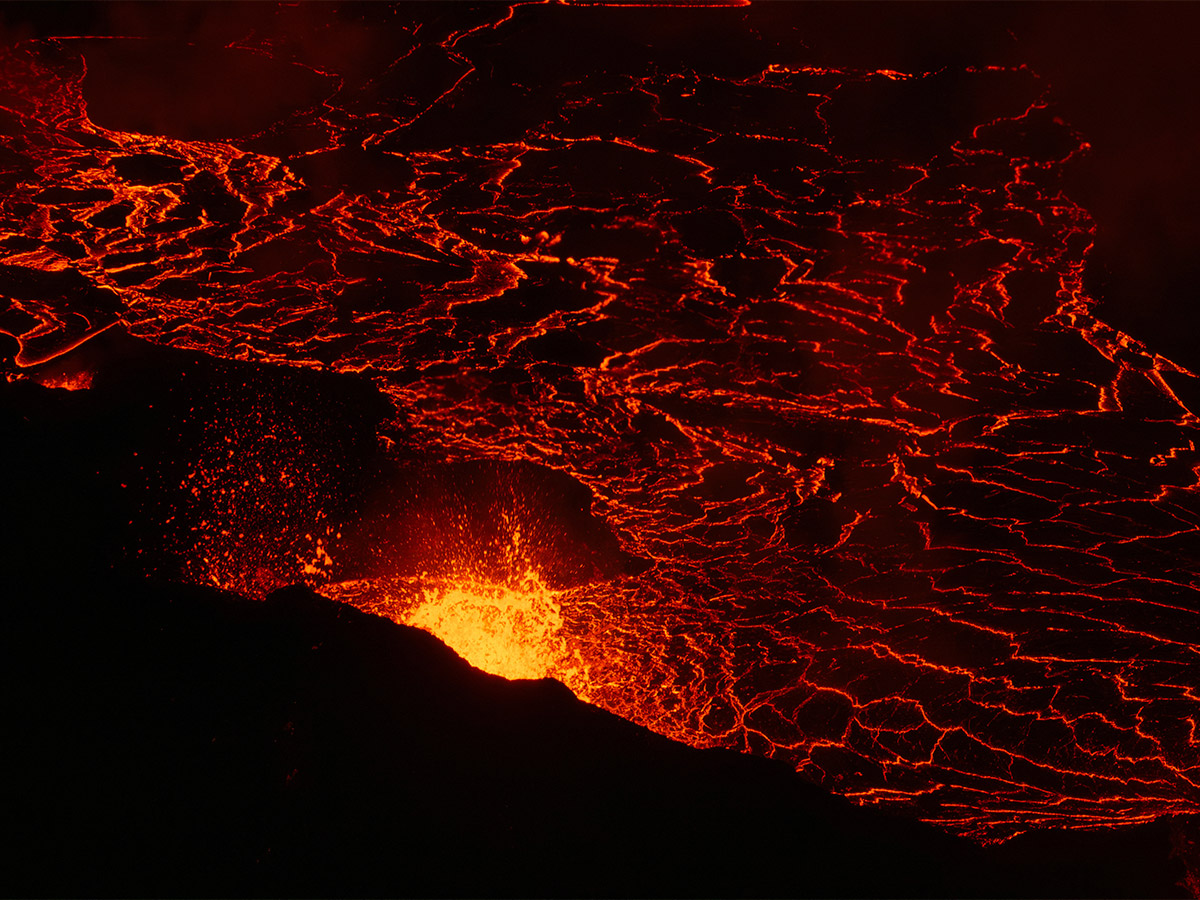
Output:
x,y
506,630
511,628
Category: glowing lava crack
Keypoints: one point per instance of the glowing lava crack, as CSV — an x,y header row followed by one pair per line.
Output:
x,y
906,513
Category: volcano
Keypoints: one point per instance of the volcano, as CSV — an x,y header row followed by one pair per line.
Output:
x,y
796,403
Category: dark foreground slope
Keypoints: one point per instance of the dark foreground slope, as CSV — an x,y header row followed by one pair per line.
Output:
x,y
179,741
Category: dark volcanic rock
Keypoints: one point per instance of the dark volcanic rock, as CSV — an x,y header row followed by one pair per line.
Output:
x,y
170,741
167,740
192,92
182,741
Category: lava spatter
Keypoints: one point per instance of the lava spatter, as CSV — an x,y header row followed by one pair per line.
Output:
x,y
815,340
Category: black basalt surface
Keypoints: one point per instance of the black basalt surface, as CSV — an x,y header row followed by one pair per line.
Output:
x,y
180,741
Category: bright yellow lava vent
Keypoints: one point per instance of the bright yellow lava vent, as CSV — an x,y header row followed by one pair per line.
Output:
x,y
501,629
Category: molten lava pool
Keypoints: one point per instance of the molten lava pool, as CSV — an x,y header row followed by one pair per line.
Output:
x,y
759,401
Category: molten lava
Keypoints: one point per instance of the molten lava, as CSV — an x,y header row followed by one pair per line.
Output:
x,y
507,631
902,510
68,381
502,618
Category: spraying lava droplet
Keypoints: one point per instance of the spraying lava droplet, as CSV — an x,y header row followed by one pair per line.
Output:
x,y
506,630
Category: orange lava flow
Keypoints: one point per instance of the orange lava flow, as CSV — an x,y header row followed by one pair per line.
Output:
x,y
511,630
886,499
505,631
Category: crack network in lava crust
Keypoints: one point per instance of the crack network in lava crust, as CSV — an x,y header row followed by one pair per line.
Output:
x,y
890,503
